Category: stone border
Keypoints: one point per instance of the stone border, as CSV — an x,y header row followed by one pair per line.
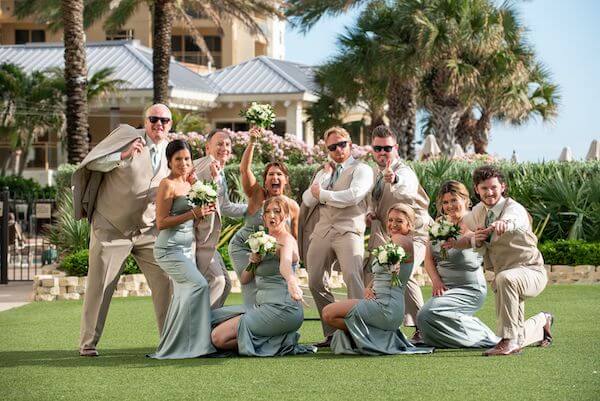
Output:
x,y
54,285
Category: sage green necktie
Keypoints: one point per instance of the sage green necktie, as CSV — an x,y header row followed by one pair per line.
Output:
x,y
335,175
378,190
489,218
154,157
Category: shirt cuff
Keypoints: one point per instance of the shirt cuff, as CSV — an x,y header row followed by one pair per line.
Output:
x,y
324,196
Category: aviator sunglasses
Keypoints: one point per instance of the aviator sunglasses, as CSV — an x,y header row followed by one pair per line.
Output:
x,y
163,120
340,145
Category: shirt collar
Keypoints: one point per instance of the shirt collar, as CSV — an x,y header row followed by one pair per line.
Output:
x,y
497,208
347,163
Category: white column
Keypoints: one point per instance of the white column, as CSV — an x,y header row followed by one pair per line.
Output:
x,y
114,117
293,120
309,134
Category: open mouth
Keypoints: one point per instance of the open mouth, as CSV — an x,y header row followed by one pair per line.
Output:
x,y
275,186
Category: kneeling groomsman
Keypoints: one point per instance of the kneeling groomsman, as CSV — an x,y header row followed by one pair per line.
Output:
x,y
341,188
503,234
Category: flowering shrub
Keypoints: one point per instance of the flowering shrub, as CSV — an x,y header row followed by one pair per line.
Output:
x,y
270,147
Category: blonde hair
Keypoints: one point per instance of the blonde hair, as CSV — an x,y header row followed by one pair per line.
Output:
x,y
405,210
455,188
336,130
280,201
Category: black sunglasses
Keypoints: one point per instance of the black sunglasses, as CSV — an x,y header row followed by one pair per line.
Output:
x,y
340,145
386,149
163,120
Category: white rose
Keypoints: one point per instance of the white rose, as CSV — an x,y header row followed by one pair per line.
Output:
x,y
382,258
268,246
254,244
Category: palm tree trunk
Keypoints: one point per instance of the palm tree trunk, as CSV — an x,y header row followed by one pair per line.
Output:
x,y
402,113
482,133
444,120
164,12
465,130
75,80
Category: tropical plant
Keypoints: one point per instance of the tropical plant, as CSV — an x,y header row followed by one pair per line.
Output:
x,y
31,107
189,122
68,234
99,83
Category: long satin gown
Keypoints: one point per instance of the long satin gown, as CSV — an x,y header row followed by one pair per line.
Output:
x,y
447,321
373,325
186,333
269,328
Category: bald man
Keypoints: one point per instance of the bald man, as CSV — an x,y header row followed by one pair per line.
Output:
x,y
115,188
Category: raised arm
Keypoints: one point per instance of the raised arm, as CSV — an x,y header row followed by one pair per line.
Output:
x,y
249,183
294,217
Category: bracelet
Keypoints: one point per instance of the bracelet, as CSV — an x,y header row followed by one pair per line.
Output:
x,y
193,213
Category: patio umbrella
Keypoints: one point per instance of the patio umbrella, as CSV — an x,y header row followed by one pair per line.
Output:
x,y
457,152
430,148
514,158
566,155
594,151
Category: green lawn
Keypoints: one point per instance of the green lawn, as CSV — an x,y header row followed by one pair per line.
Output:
x,y
38,361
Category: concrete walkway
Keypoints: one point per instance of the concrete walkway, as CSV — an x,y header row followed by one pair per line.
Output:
x,y
15,294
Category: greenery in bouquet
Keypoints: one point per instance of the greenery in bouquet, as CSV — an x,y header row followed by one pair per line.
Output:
x,y
202,193
262,243
390,255
259,115
441,231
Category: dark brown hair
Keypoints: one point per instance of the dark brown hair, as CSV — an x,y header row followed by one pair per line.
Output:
x,y
486,172
175,146
382,131
282,167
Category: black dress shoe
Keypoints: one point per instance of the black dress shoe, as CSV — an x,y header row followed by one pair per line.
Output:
x,y
325,343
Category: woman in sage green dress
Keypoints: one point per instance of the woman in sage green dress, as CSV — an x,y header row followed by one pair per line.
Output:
x,y
458,285
370,326
186,332
269,328
275,179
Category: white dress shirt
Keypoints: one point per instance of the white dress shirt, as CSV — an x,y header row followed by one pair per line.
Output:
x,y
362,181
226,206
515,215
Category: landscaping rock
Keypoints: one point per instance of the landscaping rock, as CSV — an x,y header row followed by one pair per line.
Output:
x,y
68,297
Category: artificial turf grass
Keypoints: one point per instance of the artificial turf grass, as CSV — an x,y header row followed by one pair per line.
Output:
x,y
38,360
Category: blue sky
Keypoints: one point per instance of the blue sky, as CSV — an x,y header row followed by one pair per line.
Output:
x,y
566,36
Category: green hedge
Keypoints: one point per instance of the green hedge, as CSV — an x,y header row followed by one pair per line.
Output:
x,y
26,188
76,264
571,253
562,198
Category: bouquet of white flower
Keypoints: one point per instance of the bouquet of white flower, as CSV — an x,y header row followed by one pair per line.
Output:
x,y
390,255
259,115
262,243
202,193
440,232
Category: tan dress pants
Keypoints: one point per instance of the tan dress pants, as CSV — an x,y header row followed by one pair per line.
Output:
x,y
512,287
348,249
211,265
108,250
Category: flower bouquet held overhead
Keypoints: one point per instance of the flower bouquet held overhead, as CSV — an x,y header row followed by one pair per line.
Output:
x,y
260,116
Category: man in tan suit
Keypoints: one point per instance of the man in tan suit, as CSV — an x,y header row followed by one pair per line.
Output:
x,y
397,183
503,234
207,232
115,188
340,187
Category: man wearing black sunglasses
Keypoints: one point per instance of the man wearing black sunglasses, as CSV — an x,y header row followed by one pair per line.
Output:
x,y
340,188
397,182
115,188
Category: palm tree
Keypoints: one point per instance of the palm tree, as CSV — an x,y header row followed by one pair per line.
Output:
x,y
304,14
98,84
31,107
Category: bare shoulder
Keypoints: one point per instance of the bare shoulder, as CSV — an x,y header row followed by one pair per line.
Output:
x,y
166,185
293,205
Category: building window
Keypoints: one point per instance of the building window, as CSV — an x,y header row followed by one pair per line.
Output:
x,y
23,36
184,48
126,34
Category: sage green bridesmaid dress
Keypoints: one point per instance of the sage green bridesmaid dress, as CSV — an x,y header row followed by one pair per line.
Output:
x,y
373,325
186,333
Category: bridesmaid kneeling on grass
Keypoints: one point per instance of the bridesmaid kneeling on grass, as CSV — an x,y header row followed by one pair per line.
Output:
x,y
270,327
370,326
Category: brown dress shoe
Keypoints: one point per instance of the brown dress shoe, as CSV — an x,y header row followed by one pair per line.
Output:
x,y
417,338
88,352
325,343
504,347
547,340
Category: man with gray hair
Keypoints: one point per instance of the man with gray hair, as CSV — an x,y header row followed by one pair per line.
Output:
x,y
210,169
115,188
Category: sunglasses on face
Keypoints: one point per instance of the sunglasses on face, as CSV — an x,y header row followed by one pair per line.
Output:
x,y
386,149
334,146
163,120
